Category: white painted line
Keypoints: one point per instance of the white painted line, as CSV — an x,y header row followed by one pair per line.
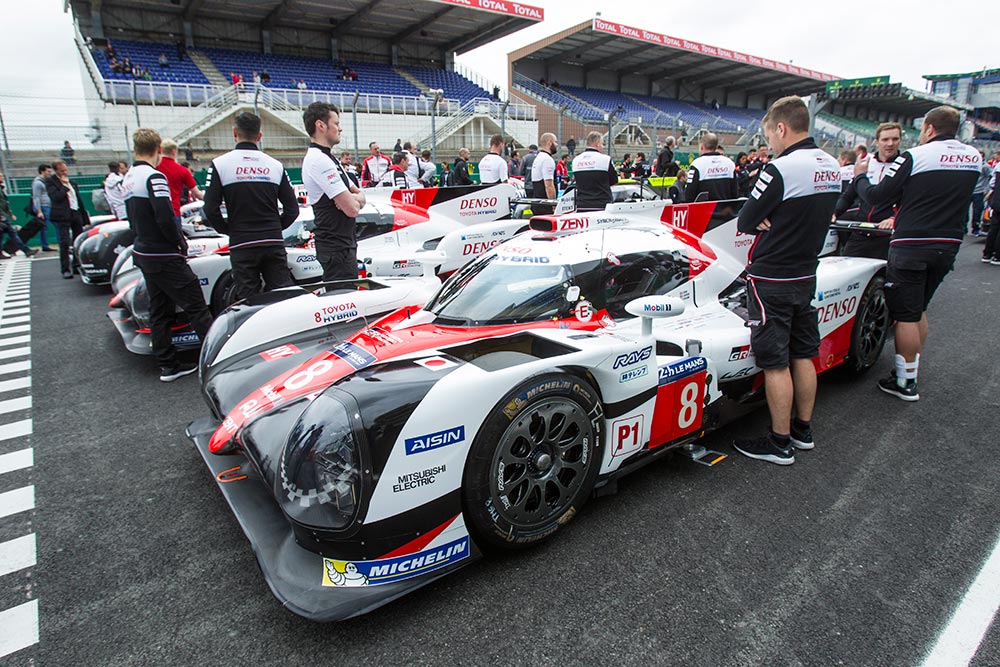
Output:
x,y
17,429
19,291
19,460
15,404
18,319
16,352
15,367
18,500
20,303
14,340
16,383
18,627
958,643
21,328
17,554
10,312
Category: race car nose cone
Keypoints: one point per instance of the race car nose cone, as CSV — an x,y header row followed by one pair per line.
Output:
x,y
542,462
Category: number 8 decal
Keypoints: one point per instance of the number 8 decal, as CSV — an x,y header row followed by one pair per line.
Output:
x,y
303,378
689,405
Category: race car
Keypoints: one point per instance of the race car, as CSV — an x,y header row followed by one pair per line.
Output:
x,y
626,190
392,227
98,247
389,454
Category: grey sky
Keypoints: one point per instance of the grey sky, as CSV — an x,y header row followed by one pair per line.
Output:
x,y
40,81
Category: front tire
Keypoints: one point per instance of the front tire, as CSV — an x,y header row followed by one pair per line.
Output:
x,y
534,462
224,293
871,329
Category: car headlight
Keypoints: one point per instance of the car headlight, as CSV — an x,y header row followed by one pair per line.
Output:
x,y
320,471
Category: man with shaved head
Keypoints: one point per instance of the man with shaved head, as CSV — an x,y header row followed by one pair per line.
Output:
x,y
543,170
711,173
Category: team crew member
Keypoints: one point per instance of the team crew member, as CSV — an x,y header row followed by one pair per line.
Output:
x,y
543,173
335,200
852,207
529,159
374,166
178,176
711,173
846,161
595,173
461,168
113,190
251,183
789,211
493,168
397,177
933,184
159,251
665,165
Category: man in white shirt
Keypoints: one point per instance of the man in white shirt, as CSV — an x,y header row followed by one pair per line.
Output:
x,y
114,191
543,171
493,168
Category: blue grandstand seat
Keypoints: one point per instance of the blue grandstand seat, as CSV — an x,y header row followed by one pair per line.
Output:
x,y
147,54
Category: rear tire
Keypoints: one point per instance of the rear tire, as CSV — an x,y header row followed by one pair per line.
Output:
x,y
224,293
534,462
871,329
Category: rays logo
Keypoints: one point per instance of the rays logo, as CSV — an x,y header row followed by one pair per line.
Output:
x,y
425,443
633,358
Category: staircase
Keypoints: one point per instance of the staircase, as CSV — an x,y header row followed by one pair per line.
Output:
x,y
423,87
214,108
208,68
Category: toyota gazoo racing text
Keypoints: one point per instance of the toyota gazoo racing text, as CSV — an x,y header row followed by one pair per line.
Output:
x,y
393,229
368,458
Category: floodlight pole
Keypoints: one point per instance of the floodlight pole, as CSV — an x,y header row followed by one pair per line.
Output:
x,y
562,110
503,119
611,122
354,121
437,93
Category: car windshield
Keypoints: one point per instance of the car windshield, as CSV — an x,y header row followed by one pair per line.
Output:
x,y
496,289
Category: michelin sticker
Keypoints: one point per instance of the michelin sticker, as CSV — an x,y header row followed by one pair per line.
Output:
x,y
355,574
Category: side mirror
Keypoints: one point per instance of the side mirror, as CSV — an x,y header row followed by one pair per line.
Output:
x,y
648,307
430,260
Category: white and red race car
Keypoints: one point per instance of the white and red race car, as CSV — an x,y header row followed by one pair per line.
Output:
x,y
366,457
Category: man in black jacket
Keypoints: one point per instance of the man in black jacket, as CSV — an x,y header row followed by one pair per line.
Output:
x,y
68,214
252,183
789,212
160,252
852,207
460,170
933,184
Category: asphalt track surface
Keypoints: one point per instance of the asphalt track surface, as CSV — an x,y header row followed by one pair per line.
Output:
x,y
856,555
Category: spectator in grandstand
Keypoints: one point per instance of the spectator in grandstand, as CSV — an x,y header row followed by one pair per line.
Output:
x,y
67,214
493,168
110,50
178,177
529,159
114,190
146,75
461,168
991,251
41,203
846,160
789,213
711,174
398,147
115,65
14,242
265,77
933,184
514,166
181,49
397,176
562,172
345,162
255,77
676,191
374,166
543,170
335,200
67,154
665,165
594,173
571,147
160,252
979,195
163,60
850,206
353,75
428,170
256,248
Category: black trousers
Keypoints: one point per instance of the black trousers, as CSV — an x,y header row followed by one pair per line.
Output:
x,y
862,244
339,262
268,263
172,284
67,230
992,247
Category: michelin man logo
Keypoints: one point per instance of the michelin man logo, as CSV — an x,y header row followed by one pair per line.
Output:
x,y
350,577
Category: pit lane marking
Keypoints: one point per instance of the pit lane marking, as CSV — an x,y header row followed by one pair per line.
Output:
x,y
19,460
960,640
20,627
17,554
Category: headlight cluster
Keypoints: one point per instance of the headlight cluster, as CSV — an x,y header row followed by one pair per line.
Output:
x,y
320,471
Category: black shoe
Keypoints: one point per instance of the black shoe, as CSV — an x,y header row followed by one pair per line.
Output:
x,y
986,259
802,438
907,393
173,372
44,249
765,449
67,275
30,252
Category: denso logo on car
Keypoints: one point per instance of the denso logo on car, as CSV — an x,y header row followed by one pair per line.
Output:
x,y
633,358
477,203
425,443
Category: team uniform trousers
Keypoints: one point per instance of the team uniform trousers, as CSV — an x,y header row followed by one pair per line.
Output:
x,y
172,284
339,261
250,265
914,273
783,321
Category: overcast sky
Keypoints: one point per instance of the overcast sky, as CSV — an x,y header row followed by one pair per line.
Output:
x,y
40,81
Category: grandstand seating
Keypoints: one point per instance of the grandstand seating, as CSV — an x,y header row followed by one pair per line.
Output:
x,y
454,85
557,99
856,125
147,54
608,100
